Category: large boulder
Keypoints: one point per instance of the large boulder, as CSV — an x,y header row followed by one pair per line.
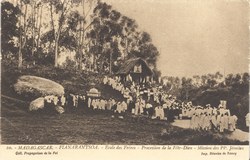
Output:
x,y
37,104
33,86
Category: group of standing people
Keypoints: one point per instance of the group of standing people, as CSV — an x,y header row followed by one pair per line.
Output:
x,y
151,102
216,119
65,102
145,100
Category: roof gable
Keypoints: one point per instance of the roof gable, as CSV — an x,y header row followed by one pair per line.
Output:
x,y
129,65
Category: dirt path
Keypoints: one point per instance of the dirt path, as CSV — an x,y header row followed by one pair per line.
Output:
x,y
236,135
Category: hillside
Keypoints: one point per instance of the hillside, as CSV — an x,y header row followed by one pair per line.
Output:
x,y
76,82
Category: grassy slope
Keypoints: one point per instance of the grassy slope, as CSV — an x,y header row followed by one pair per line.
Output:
x,y
22,127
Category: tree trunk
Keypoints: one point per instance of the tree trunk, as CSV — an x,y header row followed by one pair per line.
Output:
x,y
20,56
80,48
39,28
82,33
56,52
33,32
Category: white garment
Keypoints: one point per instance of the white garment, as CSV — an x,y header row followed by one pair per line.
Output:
x,y
159,112
55,100
137,107
124,106
148,105
89,102
119,108
63,100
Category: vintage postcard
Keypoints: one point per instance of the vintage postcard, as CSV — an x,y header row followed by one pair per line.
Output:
x,y
110,79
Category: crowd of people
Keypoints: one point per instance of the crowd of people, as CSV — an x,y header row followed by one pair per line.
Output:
x,y
142,98
151,102
211,118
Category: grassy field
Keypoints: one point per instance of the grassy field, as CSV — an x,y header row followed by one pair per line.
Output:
x,y
18,126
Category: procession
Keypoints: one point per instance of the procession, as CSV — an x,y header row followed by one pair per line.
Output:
x,y
151,103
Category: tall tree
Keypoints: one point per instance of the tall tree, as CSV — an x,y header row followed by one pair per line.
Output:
x,y
9,28
23,28
58,12
85,22
36,18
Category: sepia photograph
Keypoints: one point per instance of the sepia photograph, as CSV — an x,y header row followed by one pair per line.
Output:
x,y
125,72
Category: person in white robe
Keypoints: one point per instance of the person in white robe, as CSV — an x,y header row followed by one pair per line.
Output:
x,y
191,111
148,94
119,108
105,80
247,117
232,123
126,93
235,118
63,100
94,104
89,102
48,99
74,100
221,110
55,100
109,104
159,113
196,122
192,126
207,125
102,104
183,111
124,106
137,107
202,121
222,123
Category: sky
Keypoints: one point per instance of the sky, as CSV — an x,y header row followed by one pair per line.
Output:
x,y
193,37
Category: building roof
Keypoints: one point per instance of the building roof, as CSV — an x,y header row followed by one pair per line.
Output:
x,y
129,65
